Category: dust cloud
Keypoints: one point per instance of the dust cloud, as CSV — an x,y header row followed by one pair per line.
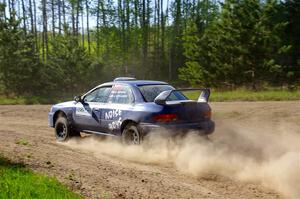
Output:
x,y
269,156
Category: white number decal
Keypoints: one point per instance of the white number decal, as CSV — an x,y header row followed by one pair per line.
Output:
x,y
116,115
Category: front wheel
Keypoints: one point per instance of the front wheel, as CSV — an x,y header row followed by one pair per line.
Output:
x,y
63,130
131,135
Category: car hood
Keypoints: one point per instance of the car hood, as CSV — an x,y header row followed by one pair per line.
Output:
x,y
65,104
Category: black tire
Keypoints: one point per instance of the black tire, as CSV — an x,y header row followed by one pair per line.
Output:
x,y
63,130
131,135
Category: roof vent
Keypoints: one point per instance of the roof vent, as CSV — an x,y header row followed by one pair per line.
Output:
x,y
124,79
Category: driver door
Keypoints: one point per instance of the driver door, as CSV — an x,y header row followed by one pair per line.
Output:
x,y
88,113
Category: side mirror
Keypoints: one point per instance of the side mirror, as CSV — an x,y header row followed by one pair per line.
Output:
x,y
77,99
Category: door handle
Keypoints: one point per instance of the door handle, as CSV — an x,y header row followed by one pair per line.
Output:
x,y
96,110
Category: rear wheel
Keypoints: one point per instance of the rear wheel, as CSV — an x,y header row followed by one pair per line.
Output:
x,y
131,135
63,130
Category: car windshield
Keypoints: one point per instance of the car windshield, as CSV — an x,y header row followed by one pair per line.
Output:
x,y
150,92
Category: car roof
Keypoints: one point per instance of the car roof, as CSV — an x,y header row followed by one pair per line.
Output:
x,y
136,82
141,82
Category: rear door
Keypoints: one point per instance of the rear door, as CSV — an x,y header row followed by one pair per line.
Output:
x,y
119,106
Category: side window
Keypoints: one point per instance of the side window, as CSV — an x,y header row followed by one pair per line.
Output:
x,y
99,95
121,95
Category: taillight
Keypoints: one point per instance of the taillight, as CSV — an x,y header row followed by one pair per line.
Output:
x,y
165,117
207,114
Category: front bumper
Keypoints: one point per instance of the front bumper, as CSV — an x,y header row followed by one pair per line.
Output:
x,y
203,128
50,119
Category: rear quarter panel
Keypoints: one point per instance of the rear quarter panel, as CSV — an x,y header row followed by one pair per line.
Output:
x,y
115,116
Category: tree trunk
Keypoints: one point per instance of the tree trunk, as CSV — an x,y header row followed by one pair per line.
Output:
x,y
45,31
24,17
88,25
136,12
253,79
105,29
103,14
73,18
9,8
97,29
13,9
64,12
53,18
162,44
77,17
18,10
31,17
169,45
121,27
35,28
127,35
4,10
59,16
144,34
127,22
82,26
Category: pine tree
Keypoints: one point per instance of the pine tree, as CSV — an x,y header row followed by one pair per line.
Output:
x,y
241,45
192,72
19,69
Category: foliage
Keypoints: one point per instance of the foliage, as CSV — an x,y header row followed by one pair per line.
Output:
x,y
69,64
241,46
81,43
19,64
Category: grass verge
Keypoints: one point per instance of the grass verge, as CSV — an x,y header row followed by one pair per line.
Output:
x,y
29,100
246,95
16,181
216,96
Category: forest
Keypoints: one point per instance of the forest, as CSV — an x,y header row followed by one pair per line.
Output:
x,y
59,47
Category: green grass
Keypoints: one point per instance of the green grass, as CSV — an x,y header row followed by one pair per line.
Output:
x,y
30,100
16,181
216,96
22,100
22,142
248,95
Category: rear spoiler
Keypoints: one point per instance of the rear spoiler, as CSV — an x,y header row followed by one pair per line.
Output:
x,y
161,99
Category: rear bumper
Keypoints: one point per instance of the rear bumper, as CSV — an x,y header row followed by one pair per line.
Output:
x,y
203,128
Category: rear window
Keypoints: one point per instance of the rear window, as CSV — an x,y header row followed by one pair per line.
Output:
x,y
150,92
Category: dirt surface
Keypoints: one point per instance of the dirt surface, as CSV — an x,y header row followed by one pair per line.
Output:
x,y
254,153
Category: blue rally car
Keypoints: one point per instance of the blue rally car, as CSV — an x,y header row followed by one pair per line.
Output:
x,y
132,108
